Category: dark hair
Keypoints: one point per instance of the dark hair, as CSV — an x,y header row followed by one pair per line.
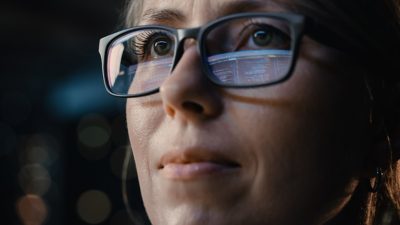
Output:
x,y
372,30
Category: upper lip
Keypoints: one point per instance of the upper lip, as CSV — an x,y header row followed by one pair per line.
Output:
x,y
195,155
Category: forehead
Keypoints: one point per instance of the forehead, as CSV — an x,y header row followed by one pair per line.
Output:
x,y
197,12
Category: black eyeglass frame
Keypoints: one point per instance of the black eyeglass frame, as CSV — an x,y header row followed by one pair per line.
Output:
x,y
297,23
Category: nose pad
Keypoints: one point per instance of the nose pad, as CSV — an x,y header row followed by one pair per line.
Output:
x,y
182,47
187,43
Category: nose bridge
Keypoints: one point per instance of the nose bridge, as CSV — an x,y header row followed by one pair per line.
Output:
x,y
186,95
188,33
184,34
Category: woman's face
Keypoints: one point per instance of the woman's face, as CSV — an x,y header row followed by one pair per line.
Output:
x,y
283,154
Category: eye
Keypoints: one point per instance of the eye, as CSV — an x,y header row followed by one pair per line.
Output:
x,y
262,37
149,45
161,46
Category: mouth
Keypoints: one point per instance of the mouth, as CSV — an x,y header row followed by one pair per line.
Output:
x,y
196,164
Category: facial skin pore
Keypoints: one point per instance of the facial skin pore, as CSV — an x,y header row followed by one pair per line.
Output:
x,y
296,147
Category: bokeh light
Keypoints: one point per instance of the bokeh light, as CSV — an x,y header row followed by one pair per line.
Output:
x,y
94,206
36,154
40,148
51,79
32,210
34,179
117,161
94,134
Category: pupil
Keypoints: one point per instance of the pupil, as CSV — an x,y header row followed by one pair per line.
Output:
x,y
161,47
262,37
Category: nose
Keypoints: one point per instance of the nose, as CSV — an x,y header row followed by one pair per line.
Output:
x,y
187,94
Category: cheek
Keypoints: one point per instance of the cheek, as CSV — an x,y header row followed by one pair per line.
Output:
x,y
317,109
306,136
143,119
144,116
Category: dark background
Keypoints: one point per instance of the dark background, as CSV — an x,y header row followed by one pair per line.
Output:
x,y
62,137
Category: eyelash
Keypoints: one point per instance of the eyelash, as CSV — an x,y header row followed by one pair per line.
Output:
x,y
140,45
251,23
248,28
140,42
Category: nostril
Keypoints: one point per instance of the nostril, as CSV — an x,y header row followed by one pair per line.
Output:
x,y
193,107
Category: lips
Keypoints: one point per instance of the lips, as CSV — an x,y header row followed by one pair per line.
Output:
x,y
194,164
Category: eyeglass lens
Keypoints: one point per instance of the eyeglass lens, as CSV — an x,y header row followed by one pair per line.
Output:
x,y
238,52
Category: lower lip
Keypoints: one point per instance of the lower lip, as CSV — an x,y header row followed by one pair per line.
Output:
x,y
195,170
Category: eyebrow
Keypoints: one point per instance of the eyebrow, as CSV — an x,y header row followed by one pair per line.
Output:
x,y
171,16
163,15
242,6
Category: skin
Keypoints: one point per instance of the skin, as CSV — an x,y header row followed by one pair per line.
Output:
x,y
299,144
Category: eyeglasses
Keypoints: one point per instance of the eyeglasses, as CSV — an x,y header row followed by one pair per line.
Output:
x,y
237,51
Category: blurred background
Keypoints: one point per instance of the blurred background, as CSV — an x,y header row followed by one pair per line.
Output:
x,y
63,139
